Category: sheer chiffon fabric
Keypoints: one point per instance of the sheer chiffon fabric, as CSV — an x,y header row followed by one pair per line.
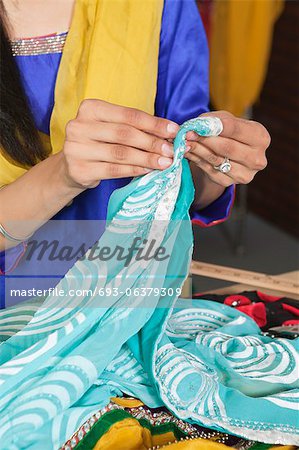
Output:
x,y
206,362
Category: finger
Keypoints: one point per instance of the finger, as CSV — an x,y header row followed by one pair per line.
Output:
x,y
238,173
191,135
213,174
107,171
119,154
202,152
118,134
107,112
216,148
248,132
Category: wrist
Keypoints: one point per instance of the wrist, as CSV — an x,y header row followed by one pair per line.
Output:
x,y
70,186
63,188
206,190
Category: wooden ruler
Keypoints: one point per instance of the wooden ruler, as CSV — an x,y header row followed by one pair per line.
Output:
x,y
255,279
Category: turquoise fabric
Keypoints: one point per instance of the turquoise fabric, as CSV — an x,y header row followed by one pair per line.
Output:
x,y
62,360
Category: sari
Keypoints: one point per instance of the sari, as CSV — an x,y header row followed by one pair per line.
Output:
x,y
62,363
207,363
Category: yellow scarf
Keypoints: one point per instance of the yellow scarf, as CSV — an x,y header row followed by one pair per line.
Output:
x,y
111,53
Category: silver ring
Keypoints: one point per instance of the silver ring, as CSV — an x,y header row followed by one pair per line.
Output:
x,y
225,166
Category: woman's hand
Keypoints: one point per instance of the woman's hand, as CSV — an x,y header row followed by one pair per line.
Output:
x,y
244,142
108,141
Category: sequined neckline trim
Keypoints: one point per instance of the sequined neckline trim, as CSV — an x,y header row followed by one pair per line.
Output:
x,y
52,43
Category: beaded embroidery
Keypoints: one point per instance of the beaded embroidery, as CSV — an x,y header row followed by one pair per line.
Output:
x,y
154,418
53,43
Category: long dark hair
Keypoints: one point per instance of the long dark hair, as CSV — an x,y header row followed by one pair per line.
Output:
x,y
19,138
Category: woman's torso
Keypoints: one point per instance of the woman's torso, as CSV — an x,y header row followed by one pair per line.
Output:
x,y
182,92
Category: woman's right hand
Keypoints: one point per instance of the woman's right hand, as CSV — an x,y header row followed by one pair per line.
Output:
x,y
109,141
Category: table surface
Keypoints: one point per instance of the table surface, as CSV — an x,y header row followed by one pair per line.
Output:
x,y
237,288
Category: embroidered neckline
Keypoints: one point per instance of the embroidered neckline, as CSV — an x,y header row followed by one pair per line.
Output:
x,y
51,43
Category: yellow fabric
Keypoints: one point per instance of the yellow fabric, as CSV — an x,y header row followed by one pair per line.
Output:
x,y
111,53
126,402
9,171
128,434
197,444
241,35
284,447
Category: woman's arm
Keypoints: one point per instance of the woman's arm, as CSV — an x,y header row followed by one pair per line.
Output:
x,y
206,191
183,93
35,197
105,141
183,81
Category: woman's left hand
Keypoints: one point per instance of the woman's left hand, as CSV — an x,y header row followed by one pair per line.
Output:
x,y
243,142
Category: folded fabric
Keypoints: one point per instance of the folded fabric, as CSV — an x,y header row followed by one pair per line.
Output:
x,y
208,363
126,423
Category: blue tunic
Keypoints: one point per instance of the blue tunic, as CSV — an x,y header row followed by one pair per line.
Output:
x,y
182,93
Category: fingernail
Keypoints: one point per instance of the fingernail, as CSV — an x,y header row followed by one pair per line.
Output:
x,y
172,128
191,135
147,170
164,162
167,150
188,147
